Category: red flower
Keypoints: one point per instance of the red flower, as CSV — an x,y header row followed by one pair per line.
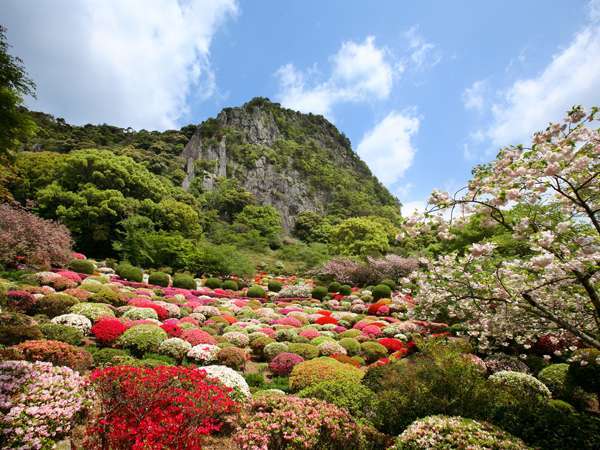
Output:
x,y
326,320
108,329
393,345
172,329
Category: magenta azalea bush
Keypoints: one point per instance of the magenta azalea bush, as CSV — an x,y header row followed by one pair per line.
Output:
x,y
283,363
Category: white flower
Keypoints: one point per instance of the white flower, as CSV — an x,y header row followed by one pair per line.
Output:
x,y
229,378
203,353
74,320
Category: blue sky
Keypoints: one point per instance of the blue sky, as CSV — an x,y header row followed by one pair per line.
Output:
x,y
424,90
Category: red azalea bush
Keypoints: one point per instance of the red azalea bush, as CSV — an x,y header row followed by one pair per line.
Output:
x,y
108,329
55,352
393,345
74,276
21,301
156,408
31,239
197,337
326,320
172,329
283,363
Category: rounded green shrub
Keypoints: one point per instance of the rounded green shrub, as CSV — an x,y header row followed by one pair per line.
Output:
x,y
255,292
520,384
275,286
308,373
213,283
307,351
159,279
389,282
445,432
130,272
353,333
319,292
92,311
16,328
82,266
141,339
109,356
55,304
334,287
184,281
372,351
357,399
109,296
351,345
555,377
345,289
381,291
136,313
584,369
230,285
270,351
63,333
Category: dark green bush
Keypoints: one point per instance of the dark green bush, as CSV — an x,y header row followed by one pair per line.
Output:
x,y
108,296
63,333
255,292
388,282
255,379
334,287
319,292
184,281
53,305
230,285
307,351
159,279
381,291
372,351
129,272
16,328
213,283
108,356
82,266
275,286
345,289
584,370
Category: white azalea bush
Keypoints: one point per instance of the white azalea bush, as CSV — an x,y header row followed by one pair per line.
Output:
x,y
229,378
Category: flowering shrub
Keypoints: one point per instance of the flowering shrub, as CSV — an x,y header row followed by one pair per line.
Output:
x,y
229,378
92,311
441,432
107,330
233,357
314,371
175,348
372,351
499,361
236,338
63,333
142,338
38,403
277,421
172,329
53,305
203,353
21,301
158,408
521,384
273,349
295,291
197,337
307,351
136,313
391,344
283,363
36,241
331,348
74,320
55,352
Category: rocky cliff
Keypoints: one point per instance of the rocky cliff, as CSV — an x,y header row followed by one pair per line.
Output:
x,y
295,162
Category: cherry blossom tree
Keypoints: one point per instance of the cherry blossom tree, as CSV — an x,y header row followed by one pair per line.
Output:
x,y
555,186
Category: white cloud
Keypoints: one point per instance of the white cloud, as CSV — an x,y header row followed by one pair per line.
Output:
x,y
388,147
423,54
361,71
571,77
129,63
416,206
473,97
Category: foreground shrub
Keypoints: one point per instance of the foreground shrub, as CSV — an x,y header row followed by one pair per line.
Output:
x,y
520,384
82,266
53,305
159,279
443,432
184,281
357,399
74,320
107,330
130,272
16,327
109,356
142,338
63,333
230,378
38,403
317,370
37,242
162,407
285,422
283,363
55,352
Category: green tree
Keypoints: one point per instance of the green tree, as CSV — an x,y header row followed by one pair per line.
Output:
x,y
264,219
229,198
359,236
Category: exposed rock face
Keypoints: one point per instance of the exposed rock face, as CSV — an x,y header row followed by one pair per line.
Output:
x,y
267,149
